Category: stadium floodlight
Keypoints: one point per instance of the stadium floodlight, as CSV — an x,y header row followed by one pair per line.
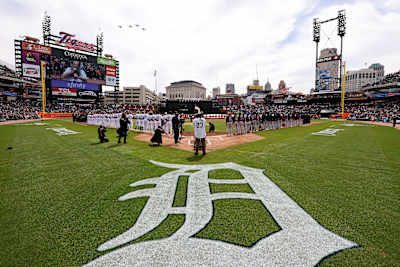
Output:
x,y
46,27
317,30
342,23
100,41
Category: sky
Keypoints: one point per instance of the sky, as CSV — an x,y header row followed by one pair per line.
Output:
x,y
215,42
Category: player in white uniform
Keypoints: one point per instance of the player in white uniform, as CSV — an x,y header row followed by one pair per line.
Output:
x,y
152,122
146,123
130,119
199,125
158,120
169,125
164,122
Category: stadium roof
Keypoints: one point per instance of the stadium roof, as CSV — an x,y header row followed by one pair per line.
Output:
x,y
8,65
186,81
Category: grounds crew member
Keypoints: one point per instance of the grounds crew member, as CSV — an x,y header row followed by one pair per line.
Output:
x,y
199,125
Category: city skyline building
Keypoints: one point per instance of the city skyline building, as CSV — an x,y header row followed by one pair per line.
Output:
x,y
355,79
216,91
186,90
230,88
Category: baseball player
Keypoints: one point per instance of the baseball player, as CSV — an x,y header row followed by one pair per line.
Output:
x,y
229,125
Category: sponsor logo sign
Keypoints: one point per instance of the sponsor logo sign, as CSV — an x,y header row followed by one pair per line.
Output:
x,y
106,61
111,80
29,57
76,56
111,71
67,40
64,91
74,85
327,59
30,70
87,93
300,240
36,48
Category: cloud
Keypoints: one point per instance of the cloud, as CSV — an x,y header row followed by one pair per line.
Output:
x,y
213,42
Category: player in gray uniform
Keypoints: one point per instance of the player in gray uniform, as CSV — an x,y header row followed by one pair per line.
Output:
x,y
235,124
242,129
247,120
254,122
229,125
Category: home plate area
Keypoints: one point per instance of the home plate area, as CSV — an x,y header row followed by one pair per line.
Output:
x,y
214,141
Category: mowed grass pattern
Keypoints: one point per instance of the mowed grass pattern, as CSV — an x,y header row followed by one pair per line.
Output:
x,y
59,193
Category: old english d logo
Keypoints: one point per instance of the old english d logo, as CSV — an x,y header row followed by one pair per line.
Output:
x,y
301,241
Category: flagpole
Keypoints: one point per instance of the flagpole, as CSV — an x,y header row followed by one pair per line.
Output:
x,y
155,80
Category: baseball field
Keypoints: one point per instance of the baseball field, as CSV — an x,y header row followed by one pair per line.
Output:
x,y
67,200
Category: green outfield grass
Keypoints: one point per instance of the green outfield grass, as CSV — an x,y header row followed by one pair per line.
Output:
x,y
59,194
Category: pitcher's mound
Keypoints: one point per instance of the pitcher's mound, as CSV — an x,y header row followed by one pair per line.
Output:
x,y
214,142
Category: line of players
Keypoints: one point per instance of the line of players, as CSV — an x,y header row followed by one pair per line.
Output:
x,y
108,120
150,122
143,122
242,123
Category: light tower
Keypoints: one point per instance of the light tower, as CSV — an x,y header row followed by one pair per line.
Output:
x,y
341,25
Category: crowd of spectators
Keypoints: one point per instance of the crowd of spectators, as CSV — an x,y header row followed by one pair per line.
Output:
x,y
375,110
378,111
19,110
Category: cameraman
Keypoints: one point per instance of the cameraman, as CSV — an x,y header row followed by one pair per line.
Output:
x,y
74,73
101,131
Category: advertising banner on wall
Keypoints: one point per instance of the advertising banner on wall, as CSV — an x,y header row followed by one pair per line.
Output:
x,y
29,57
110,80
111,71
106,61
68,66
64,91
36,48
324,77
111,74
87,94
74,85
30,70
